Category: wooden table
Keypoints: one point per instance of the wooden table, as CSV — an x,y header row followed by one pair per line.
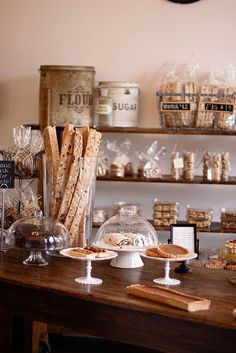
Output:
x,y
50,294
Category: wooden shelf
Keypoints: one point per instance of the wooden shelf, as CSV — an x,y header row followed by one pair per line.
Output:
x,y
166,179
155,130
165,131
214,228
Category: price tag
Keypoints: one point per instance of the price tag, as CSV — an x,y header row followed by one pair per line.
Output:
x,y
7,179
178,163
175,106
209,174
219,107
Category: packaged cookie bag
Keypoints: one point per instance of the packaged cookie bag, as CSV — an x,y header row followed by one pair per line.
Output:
x,y
121,165
25,152
225,107
201,216
209,95
149,166
165,213
178,97
170,96
190,92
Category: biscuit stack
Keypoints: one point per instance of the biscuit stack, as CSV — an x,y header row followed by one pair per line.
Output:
x,y
199,216
165,213
189,159
228,220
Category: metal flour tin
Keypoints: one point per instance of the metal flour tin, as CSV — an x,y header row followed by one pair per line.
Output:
x,y
125,97
66,95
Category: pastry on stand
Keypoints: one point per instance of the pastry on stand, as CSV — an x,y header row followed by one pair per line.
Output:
x,y
88,254
128,234
168,253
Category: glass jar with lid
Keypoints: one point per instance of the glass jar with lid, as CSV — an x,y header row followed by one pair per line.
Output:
x,y
103,109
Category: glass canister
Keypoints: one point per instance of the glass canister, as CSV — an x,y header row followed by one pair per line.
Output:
x,y
103,109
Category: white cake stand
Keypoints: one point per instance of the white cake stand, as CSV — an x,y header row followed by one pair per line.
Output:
x,y
88,279
128,255
167,280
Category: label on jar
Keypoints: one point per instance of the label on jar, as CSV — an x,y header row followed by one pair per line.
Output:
x,y
103,109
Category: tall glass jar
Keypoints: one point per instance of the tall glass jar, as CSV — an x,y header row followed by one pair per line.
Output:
x,y
103,109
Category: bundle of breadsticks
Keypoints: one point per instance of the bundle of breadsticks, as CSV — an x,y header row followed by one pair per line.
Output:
x,y
71,167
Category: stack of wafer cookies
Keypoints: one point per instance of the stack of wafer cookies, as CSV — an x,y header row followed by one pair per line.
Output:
x,y
71,172
202,217
170,297
165,213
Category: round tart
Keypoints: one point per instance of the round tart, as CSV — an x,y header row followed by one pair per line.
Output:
x,y
170,251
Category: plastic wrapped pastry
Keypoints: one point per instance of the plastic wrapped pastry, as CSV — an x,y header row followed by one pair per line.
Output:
x,y
117,239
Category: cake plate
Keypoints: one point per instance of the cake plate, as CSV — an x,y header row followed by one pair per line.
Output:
x,y
167,280
128,255
35,258
88,279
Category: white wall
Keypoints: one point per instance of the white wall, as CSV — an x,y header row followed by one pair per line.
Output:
x,y
125,40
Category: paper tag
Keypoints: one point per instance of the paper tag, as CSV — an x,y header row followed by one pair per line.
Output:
x,y
209,174
178,163
103,109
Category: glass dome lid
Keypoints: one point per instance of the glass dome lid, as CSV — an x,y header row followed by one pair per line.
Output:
x,y
126,231
37,234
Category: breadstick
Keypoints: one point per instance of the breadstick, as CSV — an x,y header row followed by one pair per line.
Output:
x,y
78,202
73,175
64,166
52,150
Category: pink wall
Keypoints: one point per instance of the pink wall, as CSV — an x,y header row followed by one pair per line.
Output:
x,y
123,39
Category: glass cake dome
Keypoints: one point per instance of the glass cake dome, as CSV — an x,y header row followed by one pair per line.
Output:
x,y
37,234
128,234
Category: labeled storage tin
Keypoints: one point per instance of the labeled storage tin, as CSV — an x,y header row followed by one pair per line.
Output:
x,y
66,95
125,97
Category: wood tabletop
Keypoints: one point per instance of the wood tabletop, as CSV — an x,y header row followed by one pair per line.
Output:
x,y
50,294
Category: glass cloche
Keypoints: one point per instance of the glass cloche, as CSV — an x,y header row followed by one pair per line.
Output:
x,y
128,234
37,234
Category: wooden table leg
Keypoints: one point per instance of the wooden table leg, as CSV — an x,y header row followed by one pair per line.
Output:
x,y
27,335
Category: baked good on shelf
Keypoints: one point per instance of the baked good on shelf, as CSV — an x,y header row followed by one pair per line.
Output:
x,y
230,246
230,266
170,251
215,264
